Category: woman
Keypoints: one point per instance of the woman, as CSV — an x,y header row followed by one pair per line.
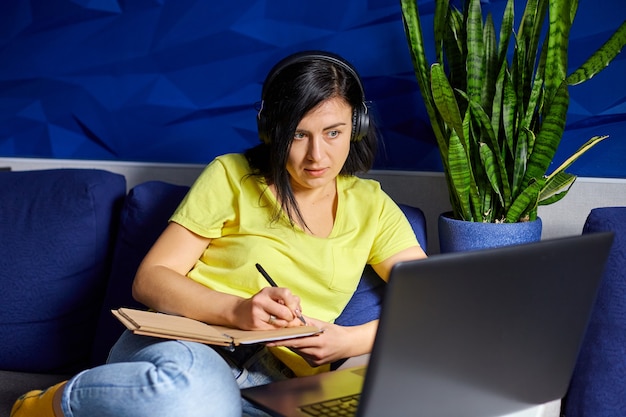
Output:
x,y
292,204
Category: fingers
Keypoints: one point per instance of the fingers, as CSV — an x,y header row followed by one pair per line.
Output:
x,y
281,306
305,342
313,349
279,322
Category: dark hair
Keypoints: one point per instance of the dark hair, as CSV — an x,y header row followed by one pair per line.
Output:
x,y
294,91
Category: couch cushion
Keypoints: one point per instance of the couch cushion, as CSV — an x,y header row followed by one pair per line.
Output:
x,y
145,215
56,242
598,386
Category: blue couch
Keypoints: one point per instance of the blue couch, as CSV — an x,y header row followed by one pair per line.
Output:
x,y
70,242
598,385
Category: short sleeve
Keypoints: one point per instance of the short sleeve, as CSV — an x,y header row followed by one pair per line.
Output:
x,y
394,233
212,200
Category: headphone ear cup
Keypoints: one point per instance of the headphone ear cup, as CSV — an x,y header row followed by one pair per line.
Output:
x,y
360,123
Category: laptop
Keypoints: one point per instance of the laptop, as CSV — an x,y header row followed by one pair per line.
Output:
x,y
480,333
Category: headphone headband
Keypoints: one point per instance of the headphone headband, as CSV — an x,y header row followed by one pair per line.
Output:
x,y
360,117
311,56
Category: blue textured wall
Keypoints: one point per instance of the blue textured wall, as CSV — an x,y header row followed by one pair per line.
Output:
x,y
176,80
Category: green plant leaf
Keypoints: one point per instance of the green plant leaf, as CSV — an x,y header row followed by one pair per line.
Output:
x,y
415,39
526,50
558,35
413,32
477,181
497,123
497,104
475,51
509,113
445,101
534,106
490,64
601,58
460,176
506,29
495,171
440,26
455,45
556,188
584,148
491,170
549,137
525,204
520,160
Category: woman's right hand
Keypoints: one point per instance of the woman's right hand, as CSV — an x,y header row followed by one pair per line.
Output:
x,y
270,308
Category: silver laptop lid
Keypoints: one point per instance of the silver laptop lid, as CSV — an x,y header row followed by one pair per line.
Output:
x,y
483,333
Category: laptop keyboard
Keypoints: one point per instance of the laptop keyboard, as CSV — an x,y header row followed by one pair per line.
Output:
x,y
345,406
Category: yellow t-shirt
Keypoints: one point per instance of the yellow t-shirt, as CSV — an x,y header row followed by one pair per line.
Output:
x,y
235,210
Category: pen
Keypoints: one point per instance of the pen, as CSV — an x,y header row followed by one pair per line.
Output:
x,y
266,275
273,284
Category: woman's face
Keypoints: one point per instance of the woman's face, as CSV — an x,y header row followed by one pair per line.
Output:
x,y
320,145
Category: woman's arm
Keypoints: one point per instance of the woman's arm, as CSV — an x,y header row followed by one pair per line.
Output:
x,y
161,283
383,269
339,342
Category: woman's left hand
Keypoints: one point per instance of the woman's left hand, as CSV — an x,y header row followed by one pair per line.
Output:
x,y
333,343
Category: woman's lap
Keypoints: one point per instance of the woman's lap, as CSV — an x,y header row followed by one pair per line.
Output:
x,y
145,376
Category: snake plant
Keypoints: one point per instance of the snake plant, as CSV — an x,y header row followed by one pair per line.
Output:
x,y
497,105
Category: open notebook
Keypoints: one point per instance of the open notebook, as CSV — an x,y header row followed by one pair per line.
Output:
x,y
481,333
167,326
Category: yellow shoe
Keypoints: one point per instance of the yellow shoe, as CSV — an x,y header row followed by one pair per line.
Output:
x,y
37,403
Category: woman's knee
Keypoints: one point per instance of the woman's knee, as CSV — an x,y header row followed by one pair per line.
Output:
x,y
197,379
205,384
163,378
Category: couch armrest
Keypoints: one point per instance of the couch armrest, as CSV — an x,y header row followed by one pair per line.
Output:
x,y
598,385
56,235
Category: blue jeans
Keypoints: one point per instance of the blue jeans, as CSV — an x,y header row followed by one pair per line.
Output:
x,y
149,377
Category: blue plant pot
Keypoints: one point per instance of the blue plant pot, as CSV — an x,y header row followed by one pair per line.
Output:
x,y
459,235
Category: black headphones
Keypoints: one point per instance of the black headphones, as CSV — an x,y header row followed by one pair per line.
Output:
x,y
360,116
